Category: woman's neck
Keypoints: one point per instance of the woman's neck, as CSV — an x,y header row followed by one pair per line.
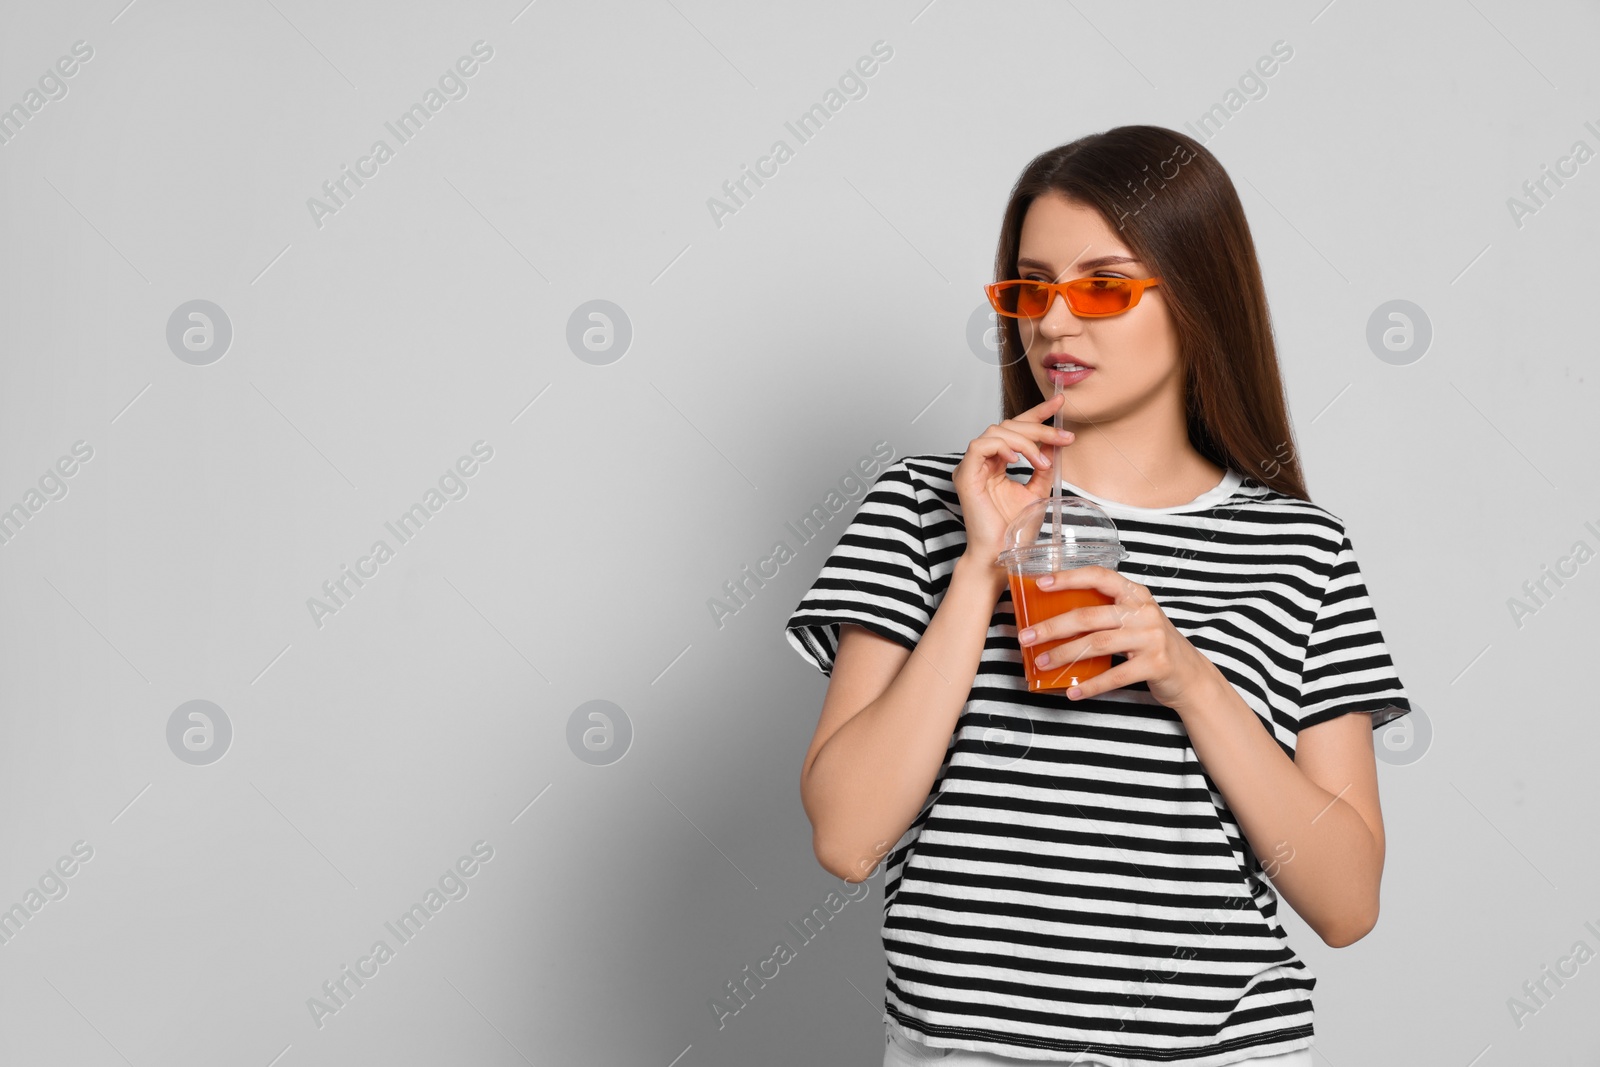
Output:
x,y
1144,467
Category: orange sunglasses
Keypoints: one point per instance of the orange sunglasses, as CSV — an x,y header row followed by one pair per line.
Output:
x,y
1089,298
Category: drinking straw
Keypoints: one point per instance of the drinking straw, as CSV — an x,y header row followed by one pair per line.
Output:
x,y
1055,460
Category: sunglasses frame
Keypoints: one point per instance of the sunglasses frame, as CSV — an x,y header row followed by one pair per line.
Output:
x,y
1063,290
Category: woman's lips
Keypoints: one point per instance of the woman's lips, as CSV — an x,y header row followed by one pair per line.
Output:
x,y
1068,377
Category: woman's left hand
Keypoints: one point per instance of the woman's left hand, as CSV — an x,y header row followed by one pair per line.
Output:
x,y
1132,625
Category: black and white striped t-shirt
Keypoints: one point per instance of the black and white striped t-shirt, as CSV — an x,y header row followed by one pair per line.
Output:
x,y
1075,884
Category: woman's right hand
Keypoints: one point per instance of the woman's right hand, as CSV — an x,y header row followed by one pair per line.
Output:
x,y
990,498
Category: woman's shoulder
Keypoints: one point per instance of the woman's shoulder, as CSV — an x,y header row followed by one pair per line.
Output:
x,y
932,466
1299,517
930,474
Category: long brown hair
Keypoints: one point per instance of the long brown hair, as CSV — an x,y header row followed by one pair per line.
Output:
x,y
1180,214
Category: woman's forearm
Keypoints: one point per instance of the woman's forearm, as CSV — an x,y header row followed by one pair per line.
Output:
x,y
868,782
1318,850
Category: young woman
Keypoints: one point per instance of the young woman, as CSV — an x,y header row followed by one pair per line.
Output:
x,y
1083,876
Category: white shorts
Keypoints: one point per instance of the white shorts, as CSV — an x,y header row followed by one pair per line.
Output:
x,y
901,1050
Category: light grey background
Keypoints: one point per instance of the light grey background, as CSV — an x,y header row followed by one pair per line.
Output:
x,y
768,354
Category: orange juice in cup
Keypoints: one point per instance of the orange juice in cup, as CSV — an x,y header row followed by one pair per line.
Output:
x,y
1057,533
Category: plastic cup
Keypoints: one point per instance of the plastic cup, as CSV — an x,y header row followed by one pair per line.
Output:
x,y
1057,533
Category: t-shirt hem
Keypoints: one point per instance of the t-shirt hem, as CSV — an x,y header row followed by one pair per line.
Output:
x,y
1383,710
805,633
976,1039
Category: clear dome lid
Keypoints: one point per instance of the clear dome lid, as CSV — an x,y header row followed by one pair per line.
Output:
x,y
1061,531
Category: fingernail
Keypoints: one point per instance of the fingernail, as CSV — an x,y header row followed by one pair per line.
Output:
x,y
1026,635
1046,581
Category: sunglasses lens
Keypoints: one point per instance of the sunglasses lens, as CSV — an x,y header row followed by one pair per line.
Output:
x,y
1100,296
1032,299
1028,299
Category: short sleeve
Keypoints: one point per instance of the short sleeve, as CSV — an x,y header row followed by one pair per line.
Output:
x,y
1347,666
877,575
